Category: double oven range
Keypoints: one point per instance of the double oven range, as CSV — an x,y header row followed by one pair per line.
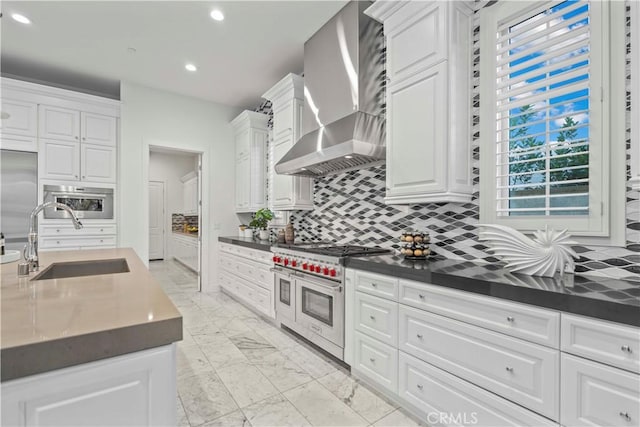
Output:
x,y
310,290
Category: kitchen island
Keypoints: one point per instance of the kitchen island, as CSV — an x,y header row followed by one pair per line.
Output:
x,y
88,347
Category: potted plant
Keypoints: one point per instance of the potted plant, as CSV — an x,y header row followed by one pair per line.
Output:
x,y
260,221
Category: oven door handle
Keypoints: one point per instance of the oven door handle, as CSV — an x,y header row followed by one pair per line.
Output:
x,y
279,270
334,288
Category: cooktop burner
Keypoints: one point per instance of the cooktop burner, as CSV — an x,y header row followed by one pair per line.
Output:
x,y
331,249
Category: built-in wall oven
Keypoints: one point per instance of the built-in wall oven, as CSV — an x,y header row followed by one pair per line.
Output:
x,y
86,202
310,291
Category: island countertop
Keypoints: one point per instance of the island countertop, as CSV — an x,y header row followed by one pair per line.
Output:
x,y
56,323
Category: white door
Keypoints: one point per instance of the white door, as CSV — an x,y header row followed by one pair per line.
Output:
x,y
60,160
98,129
98,163
156,220
59,123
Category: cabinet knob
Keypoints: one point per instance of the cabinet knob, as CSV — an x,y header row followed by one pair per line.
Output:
x,y
509,369
102,229
372,317
375,285
626,348
57,231
419,336
76,137
372,360
510,319
57,242
84,138
625,415
101,241
420,387
83,177
421,296
75,176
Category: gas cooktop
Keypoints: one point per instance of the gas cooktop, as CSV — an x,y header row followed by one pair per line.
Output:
x,y
331,249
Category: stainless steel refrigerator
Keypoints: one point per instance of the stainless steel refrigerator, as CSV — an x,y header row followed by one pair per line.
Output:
x,y
18,195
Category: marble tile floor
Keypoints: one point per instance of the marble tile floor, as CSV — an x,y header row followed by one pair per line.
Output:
x,y
237,369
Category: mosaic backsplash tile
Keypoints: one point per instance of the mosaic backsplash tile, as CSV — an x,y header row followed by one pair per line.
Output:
x,y
179,220
350,208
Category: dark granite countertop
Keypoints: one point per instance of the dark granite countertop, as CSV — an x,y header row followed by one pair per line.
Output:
x,y
603,298
253,243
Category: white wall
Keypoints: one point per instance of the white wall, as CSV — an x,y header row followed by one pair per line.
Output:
x,y
158,118
169,168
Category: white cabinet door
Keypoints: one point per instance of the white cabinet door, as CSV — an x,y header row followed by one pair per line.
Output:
x,y
59,123
189,196
598,395
98,163
22,120
135,389
243,170
59,160
415,155
282,185
98,129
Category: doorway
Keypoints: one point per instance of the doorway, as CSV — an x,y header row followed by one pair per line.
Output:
x,y
175,209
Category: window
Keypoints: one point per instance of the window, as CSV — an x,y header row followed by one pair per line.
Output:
x,y
545,104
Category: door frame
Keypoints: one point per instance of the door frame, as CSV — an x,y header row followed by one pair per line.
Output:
x,y
164,218
203,185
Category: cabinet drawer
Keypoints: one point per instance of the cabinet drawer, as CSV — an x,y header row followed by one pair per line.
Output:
x,y
433,392
520,371
376,361
597,395
87,229
518,320
377,284
262,299
611,343
64,242
377,318
263,277
18,143
228,264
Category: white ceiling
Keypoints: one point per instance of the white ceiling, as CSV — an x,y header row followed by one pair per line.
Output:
x,y
238,59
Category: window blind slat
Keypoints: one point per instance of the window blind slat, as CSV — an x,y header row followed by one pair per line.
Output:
x,y
537,72
545,83
547,118
543,96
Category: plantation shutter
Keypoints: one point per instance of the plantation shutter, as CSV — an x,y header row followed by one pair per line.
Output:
x,y
543,109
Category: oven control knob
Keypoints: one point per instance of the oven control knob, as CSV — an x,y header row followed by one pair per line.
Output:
x,y
325,271
286,261
317,269
275,258
305,265
294,263
333,272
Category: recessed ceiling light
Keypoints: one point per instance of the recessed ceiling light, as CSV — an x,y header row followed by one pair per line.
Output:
x,y
20,18
217,15
190,67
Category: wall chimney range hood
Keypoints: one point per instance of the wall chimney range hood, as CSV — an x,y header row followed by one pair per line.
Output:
x,y
343,125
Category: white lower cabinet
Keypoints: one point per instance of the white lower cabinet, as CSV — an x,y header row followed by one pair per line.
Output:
x,y
594,394
377,361
444,399
245,273
137,389
185,250
55,235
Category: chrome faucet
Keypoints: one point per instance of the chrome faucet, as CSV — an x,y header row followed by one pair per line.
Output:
x,y
30,251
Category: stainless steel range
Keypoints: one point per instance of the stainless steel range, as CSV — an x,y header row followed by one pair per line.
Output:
x,y
310,290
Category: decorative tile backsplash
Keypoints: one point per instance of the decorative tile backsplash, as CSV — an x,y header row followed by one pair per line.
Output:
x,y
350,208
179,220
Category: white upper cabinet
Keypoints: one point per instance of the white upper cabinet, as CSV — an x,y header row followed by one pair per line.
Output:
x,y
98,129
190,197
22,118
98,163
635,96
428,100
59,123
59,160
287,192
251,134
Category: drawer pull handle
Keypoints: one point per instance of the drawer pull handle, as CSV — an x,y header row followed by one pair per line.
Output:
x,y
510,319
57,242
626,348
373,317
372,360
57,231
420,387
625,415
375,285
419,336
509,369
420,296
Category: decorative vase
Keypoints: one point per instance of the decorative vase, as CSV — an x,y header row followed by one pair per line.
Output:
x,y
248,233
281,238
264,234
289,234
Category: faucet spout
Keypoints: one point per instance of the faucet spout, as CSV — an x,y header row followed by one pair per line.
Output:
x,y
30,251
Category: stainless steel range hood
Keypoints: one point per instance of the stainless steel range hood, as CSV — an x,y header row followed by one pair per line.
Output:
x,y
343,125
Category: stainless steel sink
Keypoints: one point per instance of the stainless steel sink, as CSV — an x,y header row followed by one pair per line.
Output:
x,y
60,270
